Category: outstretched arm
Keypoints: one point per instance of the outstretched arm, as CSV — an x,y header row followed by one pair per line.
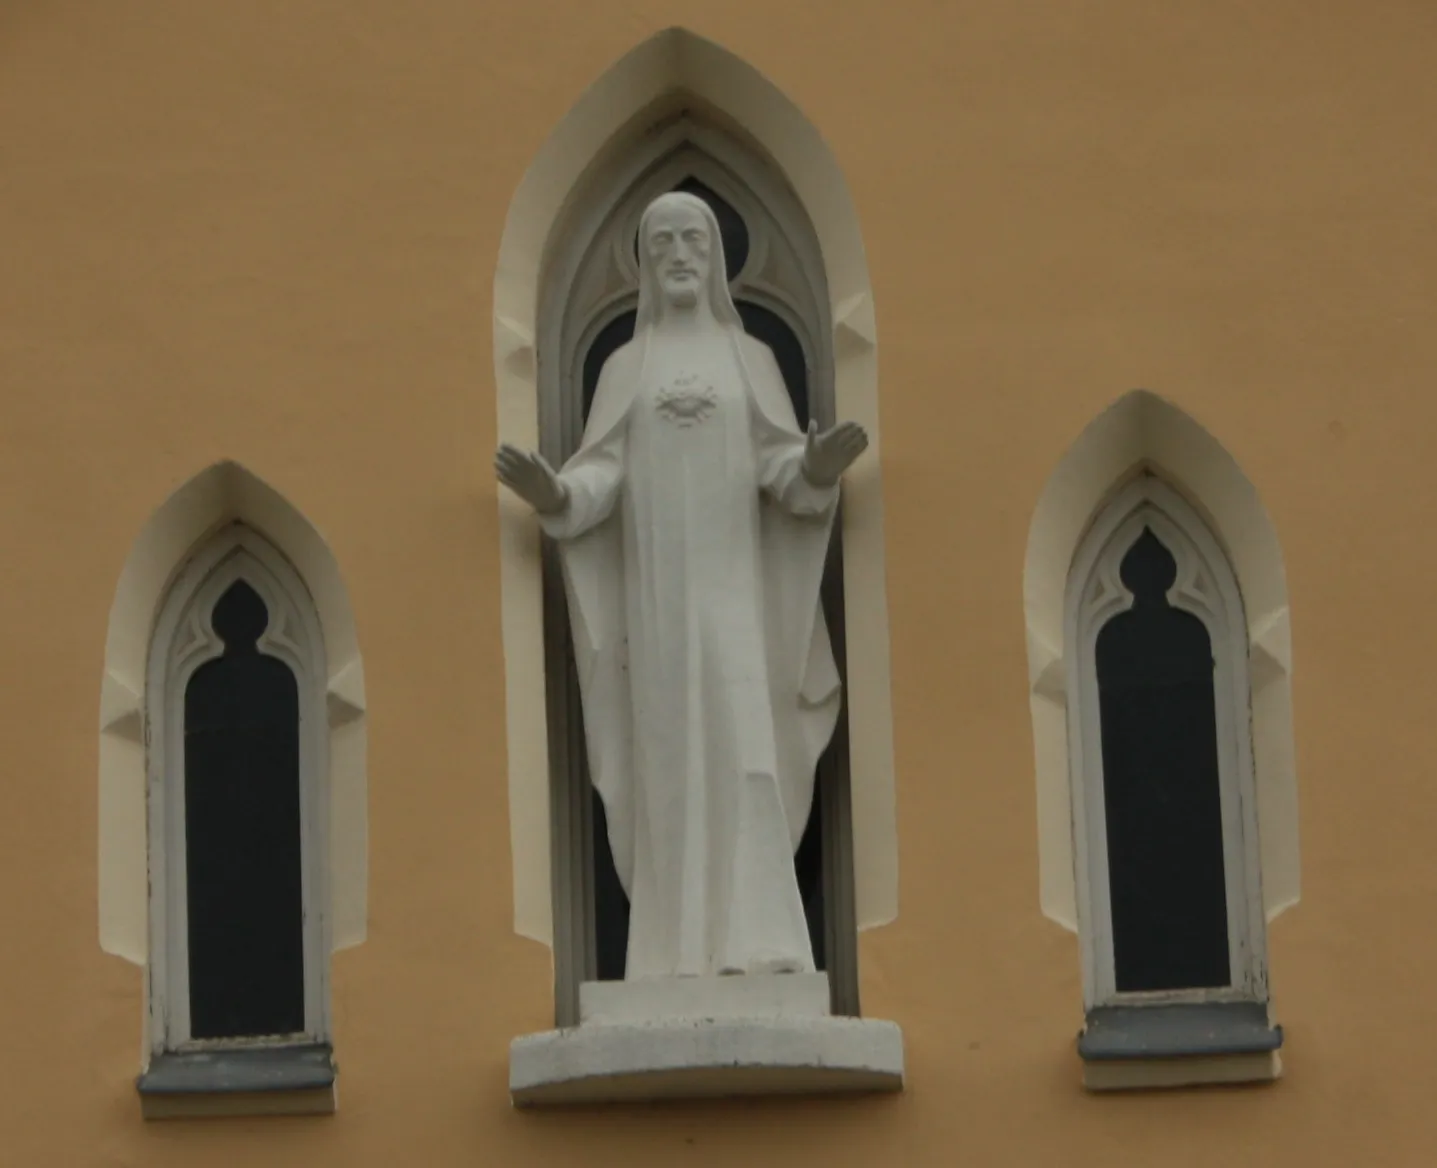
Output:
x,y
568,502
801,471
529,475
582,495
826,456
591,481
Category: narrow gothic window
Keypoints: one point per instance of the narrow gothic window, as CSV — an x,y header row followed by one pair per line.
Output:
x,y
1164,800
238,745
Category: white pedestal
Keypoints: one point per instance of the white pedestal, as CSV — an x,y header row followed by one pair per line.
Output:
x,y
790,995
685,1038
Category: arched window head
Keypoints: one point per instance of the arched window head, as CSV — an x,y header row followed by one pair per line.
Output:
x,y
775,268
588,311
237,736
1164,802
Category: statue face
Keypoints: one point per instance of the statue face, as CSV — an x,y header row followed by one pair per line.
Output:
x,y
678,247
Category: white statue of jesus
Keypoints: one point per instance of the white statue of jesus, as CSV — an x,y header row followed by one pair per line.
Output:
x,y
693,525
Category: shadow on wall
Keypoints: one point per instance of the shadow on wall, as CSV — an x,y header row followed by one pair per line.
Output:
x,y
1143,432
222,494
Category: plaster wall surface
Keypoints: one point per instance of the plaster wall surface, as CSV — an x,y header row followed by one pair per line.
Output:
x,y
268,233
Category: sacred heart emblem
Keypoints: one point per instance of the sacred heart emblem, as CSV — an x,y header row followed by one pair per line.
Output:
x,y
687,401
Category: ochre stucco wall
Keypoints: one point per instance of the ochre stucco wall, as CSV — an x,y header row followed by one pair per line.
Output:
x,y
268,231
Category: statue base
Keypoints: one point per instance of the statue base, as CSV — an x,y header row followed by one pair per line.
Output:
x,y
690,1038
789,995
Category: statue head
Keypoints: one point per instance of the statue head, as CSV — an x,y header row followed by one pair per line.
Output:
x,y
681,260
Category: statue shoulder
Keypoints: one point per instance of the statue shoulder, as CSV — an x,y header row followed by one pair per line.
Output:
x,y
618,379
622,362
755,349
758,357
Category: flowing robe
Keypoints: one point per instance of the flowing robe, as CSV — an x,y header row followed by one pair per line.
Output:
x,y
693,552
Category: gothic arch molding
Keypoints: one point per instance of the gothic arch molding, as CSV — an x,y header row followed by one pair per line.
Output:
x,y
188,640
653,85
223,494
1141,432
1099,597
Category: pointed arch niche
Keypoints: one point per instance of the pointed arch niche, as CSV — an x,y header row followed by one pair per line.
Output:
x,y
184,526
1144,434
676,111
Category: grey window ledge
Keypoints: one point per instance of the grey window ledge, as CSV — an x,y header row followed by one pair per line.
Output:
x,y
284,1080
1180,1045
1178,1031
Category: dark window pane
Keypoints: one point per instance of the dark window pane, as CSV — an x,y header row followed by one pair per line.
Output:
x,y
732,229
611,906
770,328
1160,786
612,337
242,833
808,866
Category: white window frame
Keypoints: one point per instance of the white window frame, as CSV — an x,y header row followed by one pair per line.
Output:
x,y
1207,588
183,640
590,279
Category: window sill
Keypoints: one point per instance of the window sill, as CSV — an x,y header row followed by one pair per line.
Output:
x,y
1135,1047
288,1080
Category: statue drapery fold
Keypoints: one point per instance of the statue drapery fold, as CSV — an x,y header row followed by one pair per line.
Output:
x,y
795,524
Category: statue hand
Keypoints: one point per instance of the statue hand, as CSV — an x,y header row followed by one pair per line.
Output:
x,y
531,477
826,456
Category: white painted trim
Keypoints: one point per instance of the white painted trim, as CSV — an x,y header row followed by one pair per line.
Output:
x,y
1207,588
183,641
1141,430
221,494
670,71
